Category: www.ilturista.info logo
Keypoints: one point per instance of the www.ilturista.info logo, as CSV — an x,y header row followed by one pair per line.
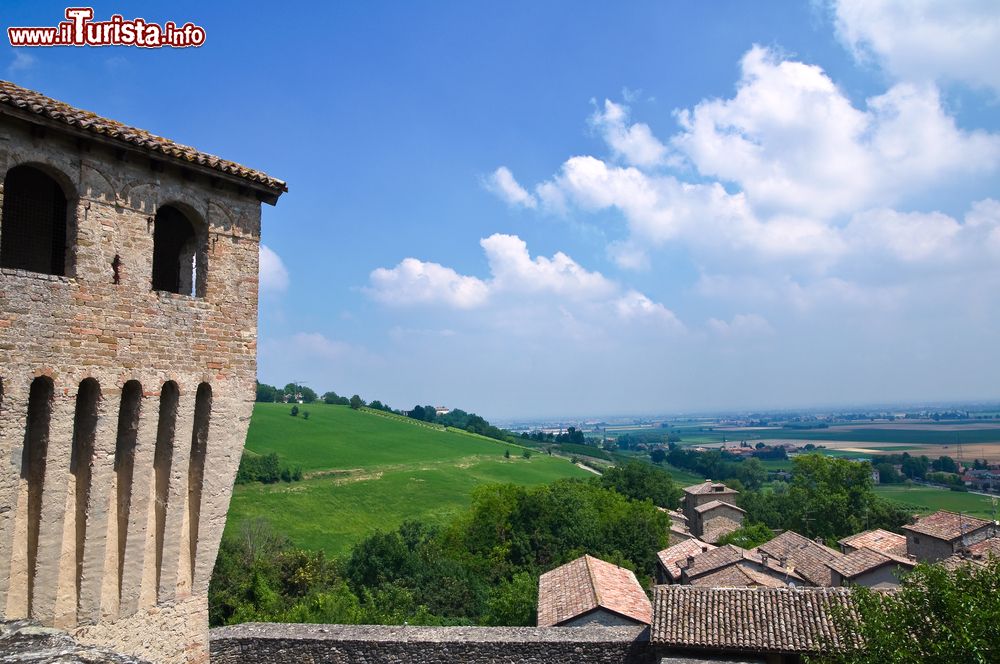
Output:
x,y
79,29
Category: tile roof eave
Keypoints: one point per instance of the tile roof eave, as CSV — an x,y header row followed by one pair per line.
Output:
x,y
154,147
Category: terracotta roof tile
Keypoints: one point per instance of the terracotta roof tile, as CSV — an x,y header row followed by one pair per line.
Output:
x,y
678,553
716,504
738,576
807,557
979,553
946,525
861,561
730,554
588,583
709,487
877,540
770,620
717,527
31,103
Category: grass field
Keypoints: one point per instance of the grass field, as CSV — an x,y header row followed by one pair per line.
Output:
x,y
366,472
928,499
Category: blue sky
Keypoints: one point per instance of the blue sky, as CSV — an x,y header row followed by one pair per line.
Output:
x,y
570,208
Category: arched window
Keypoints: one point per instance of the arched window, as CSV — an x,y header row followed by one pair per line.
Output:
x,y
33,231
178,253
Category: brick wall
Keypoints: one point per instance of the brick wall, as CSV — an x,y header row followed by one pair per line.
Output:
x,y
82,543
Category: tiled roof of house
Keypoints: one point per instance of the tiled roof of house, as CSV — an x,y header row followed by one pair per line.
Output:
x,y
34,105
716,504
770,620
730,554
979,553
861,561
717,527
877,540
678,553
677,517
946,525
708,486
585,584
738,576
807,557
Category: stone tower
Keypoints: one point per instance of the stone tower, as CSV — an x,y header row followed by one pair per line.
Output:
x,y
128,332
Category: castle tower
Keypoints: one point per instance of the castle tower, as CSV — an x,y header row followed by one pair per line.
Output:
x,y
128,332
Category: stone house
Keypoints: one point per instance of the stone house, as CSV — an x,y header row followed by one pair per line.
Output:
x,y
128,332
669,560
589,591
939,535
715,568
868,567
711,511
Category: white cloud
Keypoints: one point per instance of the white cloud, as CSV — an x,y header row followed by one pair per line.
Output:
x,y
911,236
515,271
523,292
502,183
272,273
22,62
633,143
741,325
920,40
414,282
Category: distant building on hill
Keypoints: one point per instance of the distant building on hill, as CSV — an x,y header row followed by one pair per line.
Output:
x,y
590,591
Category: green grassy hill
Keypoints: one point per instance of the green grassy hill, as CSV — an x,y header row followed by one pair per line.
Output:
x,y
365,471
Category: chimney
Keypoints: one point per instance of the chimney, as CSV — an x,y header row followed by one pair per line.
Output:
x,y
690,561
763,559
783,561
818,540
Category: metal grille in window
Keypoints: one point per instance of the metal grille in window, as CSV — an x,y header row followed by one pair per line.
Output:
x,y
33,228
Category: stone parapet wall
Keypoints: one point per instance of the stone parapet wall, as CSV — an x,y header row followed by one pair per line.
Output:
x,y
271,643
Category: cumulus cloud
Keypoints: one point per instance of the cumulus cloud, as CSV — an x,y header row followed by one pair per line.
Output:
x,y
519,282
920,40
272,272
634,143
502,183
414,282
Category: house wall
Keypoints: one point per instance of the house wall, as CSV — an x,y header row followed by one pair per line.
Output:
x,y
129,566
886,576
932,549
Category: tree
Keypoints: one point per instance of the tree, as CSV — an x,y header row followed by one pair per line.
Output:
x,y
416,413
658,455
526,454
266,393
333,399
506,454
945,464
941,616
356,402
748,536
294,411
305,414
641,481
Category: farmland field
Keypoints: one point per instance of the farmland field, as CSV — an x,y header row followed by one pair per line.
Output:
x,y
365,472
928,499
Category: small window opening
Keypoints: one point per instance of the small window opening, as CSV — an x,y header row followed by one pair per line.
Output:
x,y
178,256
33,234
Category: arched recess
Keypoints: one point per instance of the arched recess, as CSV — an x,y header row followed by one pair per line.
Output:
x,y
36,444
162,461
196,467
179,252
128,432
35,222
81,464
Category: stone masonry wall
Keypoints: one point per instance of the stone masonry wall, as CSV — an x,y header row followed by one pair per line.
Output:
x,y
83,325
365,644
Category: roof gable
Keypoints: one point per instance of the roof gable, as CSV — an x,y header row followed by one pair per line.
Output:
x,y
947,526
807,557
877,539
588,583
